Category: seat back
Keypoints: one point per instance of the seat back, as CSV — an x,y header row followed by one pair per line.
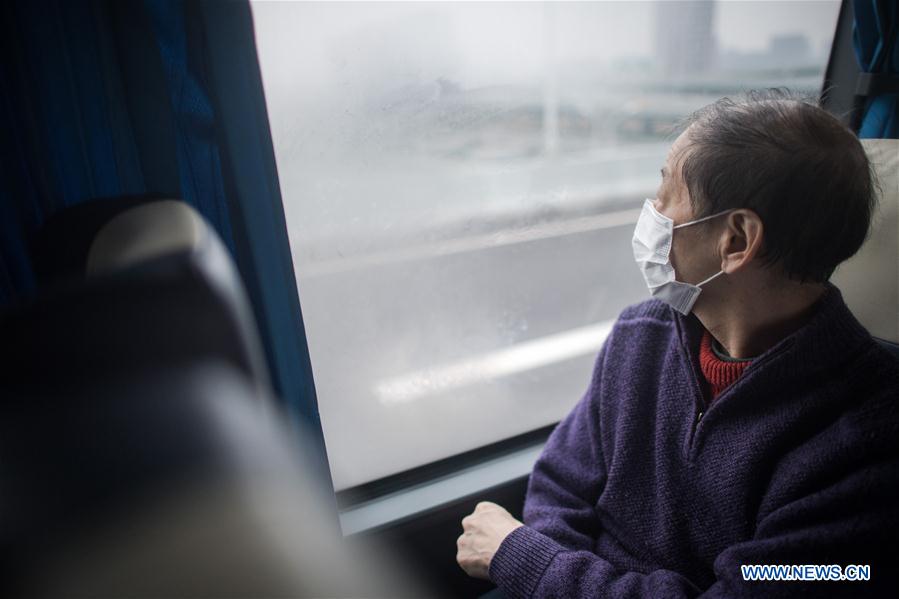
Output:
x,y
141,453
152,286
869,281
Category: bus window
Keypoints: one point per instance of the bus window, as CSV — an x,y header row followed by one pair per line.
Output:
x,y
461,182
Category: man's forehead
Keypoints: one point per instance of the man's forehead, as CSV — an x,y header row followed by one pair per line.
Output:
x,y
676,150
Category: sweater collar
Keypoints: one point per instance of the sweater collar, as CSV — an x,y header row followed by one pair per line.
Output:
x,y
718,373
831,335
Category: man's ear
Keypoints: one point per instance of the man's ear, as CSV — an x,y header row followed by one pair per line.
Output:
x,y
742,239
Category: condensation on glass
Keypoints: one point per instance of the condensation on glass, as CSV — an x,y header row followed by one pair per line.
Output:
x,y
461,181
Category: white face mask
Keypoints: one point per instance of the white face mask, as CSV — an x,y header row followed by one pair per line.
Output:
x,y
652,246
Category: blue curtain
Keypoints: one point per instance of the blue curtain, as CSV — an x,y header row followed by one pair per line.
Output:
x,y
106,98
100,99
875,38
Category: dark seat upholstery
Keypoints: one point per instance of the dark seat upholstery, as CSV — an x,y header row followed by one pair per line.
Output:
x,y
123,303
139,455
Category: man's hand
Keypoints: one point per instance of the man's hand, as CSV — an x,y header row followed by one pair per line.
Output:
x,y
485,528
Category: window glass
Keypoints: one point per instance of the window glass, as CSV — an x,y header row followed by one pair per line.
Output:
x,y
461,182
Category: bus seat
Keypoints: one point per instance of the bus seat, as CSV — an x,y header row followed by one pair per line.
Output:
x,y
869,281
150,231
141,453
171,482
151,285
59,248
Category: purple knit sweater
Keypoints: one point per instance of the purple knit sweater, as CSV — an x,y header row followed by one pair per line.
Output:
x,y
644,490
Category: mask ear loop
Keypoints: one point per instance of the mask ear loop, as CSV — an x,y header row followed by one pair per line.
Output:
x,y
704,218
718,274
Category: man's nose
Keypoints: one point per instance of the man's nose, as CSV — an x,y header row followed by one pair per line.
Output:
x,y
658,205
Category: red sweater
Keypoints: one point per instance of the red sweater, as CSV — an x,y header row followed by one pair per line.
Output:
x,y
718,373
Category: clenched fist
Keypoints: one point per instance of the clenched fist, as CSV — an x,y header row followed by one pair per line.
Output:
x,y
485,528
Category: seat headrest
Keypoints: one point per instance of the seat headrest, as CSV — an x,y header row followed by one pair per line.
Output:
x,y
145,233
869,281
148,284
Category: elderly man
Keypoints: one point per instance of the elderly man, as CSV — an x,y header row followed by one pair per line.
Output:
x,y
742,416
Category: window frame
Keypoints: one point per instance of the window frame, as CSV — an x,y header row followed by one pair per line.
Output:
x,y
263,250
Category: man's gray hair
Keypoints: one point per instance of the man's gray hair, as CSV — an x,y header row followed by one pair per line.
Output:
x,y
795,165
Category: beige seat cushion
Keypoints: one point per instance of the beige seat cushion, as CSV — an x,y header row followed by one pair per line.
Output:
x,y
869,280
